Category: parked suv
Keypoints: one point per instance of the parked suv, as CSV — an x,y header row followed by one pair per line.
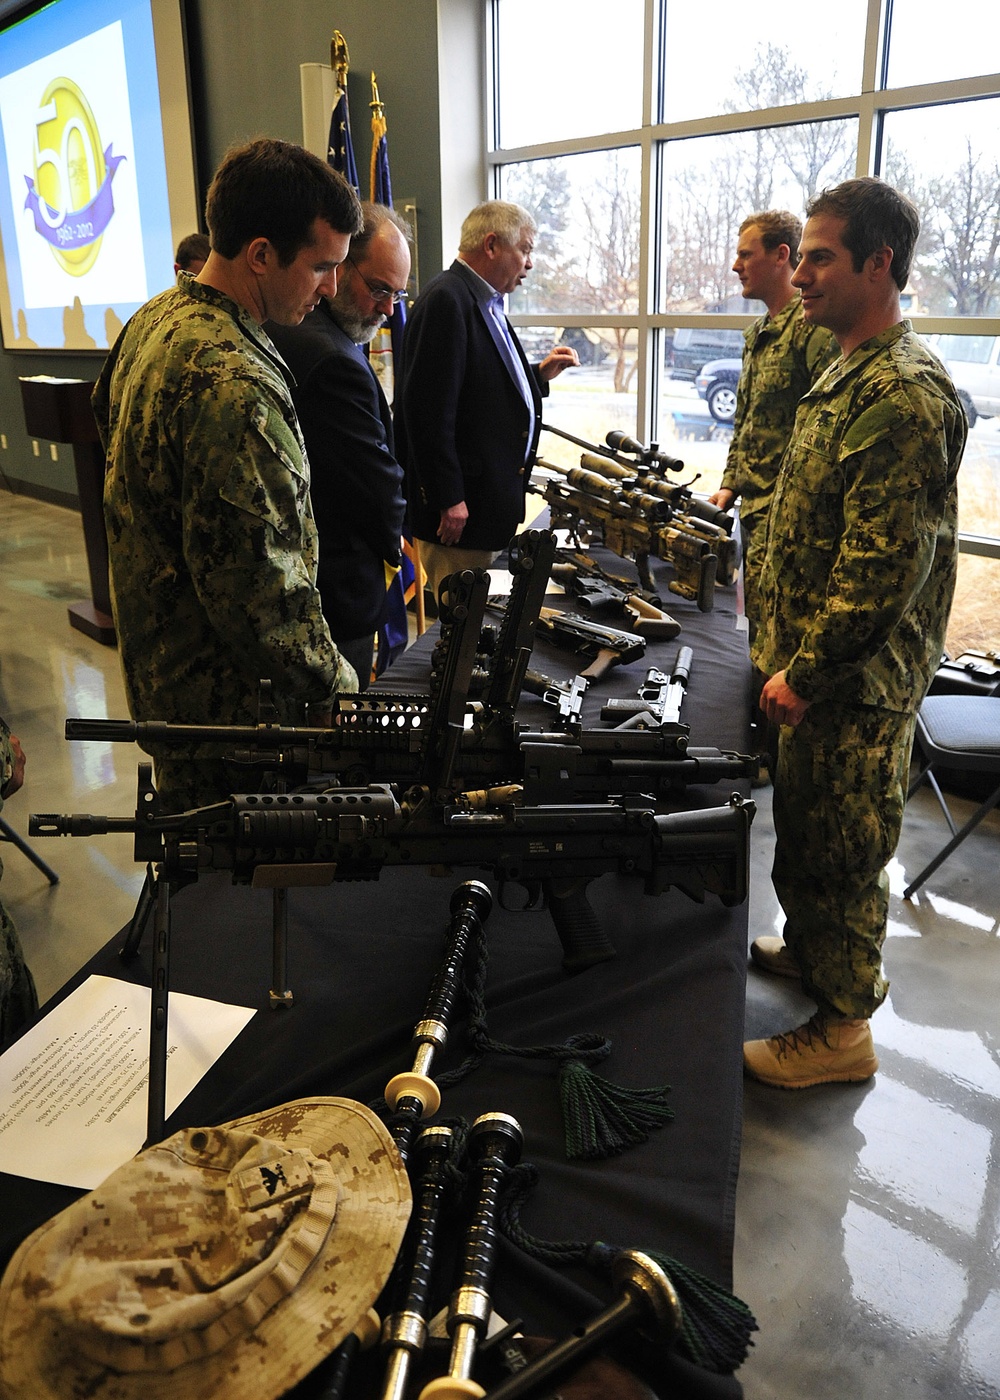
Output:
x,y
974,363
717,385
695,346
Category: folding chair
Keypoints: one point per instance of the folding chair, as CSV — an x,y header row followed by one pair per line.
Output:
x,y
963,732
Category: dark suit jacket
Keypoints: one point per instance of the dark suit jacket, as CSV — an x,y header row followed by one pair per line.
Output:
x,y
356,489
461,422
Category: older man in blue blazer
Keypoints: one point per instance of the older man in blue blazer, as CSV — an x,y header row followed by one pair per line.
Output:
x,y
468,406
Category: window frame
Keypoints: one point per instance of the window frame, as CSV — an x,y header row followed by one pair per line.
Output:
x,y
869,107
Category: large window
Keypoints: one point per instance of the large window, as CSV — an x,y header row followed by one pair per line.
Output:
x,y
931,45
765,59
586,254
947,159
552,58
711,183
641,142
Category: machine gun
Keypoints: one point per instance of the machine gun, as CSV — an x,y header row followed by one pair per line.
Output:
x,y
638,513
445,740
275,840
432,780
435,766
269,839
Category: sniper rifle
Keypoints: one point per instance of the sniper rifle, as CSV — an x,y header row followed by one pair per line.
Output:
x,y
639,514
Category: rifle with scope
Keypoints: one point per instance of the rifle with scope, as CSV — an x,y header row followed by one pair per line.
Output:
x,y
441,780
638,514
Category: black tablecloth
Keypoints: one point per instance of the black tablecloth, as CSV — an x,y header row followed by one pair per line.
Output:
x,y
361,958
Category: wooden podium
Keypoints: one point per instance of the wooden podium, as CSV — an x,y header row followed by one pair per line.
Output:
x,y
59,410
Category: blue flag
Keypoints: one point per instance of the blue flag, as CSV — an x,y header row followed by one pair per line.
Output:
x,y
341,151
340,147
394,633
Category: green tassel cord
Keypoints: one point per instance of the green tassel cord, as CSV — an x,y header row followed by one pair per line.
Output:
x,y
717,1327
600,1119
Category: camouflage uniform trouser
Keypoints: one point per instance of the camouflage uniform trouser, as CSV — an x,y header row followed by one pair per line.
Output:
x,y
190,776
753,533
839,795
18,1001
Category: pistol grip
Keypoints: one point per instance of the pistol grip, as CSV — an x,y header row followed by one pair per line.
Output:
x,y
601,664
584,942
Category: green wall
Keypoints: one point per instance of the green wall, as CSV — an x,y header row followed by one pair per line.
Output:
x,y
244,58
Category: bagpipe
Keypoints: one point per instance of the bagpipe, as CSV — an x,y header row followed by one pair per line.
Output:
x,y
470,1180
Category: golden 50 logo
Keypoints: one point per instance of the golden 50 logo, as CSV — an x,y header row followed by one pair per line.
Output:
x,y
70,192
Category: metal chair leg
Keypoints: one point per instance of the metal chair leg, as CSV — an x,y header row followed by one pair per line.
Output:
x,y
959,836
7,833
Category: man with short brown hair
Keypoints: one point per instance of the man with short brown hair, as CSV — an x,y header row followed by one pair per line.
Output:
x,y
856,584
192,253
211,541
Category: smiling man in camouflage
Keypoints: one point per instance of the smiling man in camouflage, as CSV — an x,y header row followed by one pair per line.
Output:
x,y
855,590
210,532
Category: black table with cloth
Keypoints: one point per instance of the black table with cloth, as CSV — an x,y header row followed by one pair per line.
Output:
x,y
361,957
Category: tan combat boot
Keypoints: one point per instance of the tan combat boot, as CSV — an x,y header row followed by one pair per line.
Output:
x,y
772,955
826,1050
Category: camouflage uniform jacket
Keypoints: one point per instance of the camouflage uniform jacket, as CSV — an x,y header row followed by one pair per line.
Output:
x,y
859,567
210,532
782,357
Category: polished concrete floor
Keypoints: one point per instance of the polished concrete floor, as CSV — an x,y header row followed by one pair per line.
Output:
x,y
868,1217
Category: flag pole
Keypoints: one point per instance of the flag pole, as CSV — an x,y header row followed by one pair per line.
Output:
x,y
378,131
393,635
340,58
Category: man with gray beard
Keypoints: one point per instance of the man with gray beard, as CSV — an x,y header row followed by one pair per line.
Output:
x,y
357,484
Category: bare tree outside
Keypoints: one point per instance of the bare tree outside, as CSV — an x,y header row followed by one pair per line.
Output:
x,y
611,267
588,245
543,187
587,251
957,266
723,178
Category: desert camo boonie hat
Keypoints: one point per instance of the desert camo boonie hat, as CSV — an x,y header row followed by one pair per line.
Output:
x,y
222,1263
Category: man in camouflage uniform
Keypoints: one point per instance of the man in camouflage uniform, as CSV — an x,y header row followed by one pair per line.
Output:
x,y
855,589
783,355
18,1000
210,532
